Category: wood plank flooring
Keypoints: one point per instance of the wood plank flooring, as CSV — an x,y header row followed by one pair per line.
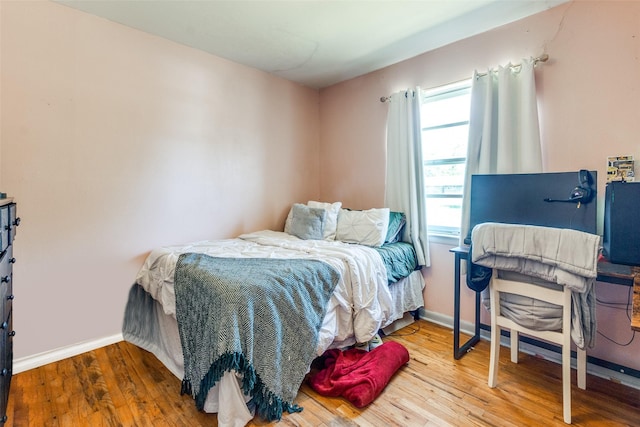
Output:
x,y
635,319
123,385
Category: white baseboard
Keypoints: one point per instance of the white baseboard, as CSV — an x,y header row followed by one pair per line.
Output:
x,y
446,321
596,370
468,328
29,362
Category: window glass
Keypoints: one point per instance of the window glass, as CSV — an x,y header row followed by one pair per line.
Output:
x,y
444,179
451,142
438,111
445,131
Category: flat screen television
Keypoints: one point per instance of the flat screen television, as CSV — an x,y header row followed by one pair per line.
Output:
x,y
543,199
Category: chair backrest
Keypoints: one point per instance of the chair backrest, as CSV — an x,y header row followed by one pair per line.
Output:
x,y
560,296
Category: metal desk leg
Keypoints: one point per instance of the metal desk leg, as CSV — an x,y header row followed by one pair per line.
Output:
x,y
459,351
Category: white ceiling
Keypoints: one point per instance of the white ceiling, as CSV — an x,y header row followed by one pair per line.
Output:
x,y
314,42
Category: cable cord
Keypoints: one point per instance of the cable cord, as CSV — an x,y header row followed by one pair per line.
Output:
x,y
396,334
627,307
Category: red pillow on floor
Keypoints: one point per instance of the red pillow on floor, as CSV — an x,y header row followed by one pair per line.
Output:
x,y
357,375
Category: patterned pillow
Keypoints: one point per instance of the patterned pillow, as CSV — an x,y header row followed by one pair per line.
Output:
x,y
397,221
306,223
331,221
363,227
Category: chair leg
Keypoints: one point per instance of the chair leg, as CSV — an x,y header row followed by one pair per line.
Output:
x,y
566,382
515,345
581,356
494,355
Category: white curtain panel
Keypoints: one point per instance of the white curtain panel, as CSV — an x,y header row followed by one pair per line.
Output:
x,y
504,133
404,191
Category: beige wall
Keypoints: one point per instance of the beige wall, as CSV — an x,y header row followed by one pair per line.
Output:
x,y
589,104
114,142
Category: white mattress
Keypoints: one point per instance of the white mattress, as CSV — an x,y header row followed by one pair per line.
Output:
x,y
361,304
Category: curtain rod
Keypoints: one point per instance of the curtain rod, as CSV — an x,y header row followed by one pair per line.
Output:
x,y
542,58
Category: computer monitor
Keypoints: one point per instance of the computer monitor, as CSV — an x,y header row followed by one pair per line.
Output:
x,y
543,199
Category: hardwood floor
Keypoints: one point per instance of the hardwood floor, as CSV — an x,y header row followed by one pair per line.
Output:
x,y
123,385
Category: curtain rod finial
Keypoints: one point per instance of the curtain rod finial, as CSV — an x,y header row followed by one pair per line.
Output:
x,y
384,98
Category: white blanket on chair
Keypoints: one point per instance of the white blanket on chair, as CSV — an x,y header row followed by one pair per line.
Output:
x,y
562,256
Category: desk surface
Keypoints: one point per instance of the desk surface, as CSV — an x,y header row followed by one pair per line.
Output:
x,y
619,274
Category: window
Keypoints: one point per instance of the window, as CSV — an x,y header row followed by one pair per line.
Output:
x,y
445,129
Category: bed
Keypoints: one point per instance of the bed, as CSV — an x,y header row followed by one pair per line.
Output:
x,y
355,290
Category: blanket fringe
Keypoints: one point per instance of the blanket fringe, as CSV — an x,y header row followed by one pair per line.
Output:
x,y
186,387
268,405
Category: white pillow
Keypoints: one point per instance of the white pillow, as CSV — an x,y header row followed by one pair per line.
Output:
x,y
331,220
363,227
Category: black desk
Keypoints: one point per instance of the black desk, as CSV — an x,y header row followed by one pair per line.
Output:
x,y
461,253
607,272
618,274
624,275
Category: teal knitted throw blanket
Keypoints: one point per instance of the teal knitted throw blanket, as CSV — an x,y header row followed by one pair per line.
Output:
x,y
257,316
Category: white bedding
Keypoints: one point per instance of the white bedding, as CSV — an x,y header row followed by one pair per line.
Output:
x,y
361,304
359,307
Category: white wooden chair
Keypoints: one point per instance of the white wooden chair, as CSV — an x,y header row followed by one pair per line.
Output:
x,y
562,337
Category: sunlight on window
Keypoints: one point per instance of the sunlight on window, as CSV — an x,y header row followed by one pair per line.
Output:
x,y
445,130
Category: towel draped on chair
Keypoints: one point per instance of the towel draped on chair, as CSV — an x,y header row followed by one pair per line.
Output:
x,y
562,256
